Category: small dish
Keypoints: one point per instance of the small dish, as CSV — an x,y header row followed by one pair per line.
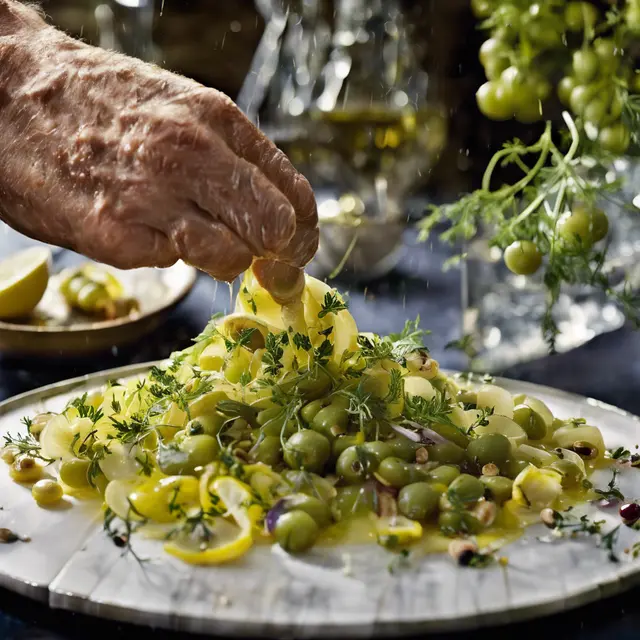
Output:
x,y
55,330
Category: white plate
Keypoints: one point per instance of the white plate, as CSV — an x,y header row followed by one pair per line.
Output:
x,y
73,565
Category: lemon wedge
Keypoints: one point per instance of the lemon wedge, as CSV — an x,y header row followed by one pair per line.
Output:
x,y
23,280
397,530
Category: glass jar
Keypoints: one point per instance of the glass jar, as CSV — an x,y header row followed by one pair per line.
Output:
x,y
337,87
503,313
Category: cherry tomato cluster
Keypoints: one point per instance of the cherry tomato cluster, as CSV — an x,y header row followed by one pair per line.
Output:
x,y
579,228
533,44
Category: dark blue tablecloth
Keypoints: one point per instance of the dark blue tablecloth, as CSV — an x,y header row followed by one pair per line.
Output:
x,y
608,368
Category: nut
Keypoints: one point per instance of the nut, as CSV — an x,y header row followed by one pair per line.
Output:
x,y
486,513
490,470
462,551
548,517
422,455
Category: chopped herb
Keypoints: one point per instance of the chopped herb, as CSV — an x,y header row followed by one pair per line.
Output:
x,y
115,406
466,344
434,411
400,561
302,342
245,378
86,410
323,352
250,300
612,492
274,351
26,445
331,304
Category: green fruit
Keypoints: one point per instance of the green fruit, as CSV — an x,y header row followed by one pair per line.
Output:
x,y
497,488
307,450
418,501
355,500
531,421
296,531
465,490
492,448
396,472
444,474
494,101
446,453
522,257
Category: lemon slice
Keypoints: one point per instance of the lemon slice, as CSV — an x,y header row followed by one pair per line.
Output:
x,y
237,498
397,530
228,542
23,280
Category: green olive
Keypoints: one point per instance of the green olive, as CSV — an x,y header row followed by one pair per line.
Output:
x,y
355,464
47,492
446,453
193,451
514,467
354,500
444,474
454,523
315,507
307,450
75,473
571,473
451,433
584,226
522,257
314,385
91,297
344,442
269,451
329,418
296,531
403,448
497,488
378,450
273,422
209,425
418,500
200,449
490,448
465,490
267,415
531,421
395,472
310,410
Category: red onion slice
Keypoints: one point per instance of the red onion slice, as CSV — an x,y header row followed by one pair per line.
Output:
x,y
274,513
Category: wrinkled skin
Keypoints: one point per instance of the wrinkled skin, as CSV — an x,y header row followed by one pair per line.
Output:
x,y
134,166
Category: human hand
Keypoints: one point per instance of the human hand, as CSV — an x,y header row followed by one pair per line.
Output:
x,y
134,166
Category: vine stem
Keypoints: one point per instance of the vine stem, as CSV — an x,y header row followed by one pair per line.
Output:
x,y
543,145
575,141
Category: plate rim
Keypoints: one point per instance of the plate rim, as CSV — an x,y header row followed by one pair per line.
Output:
x,y
102,325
